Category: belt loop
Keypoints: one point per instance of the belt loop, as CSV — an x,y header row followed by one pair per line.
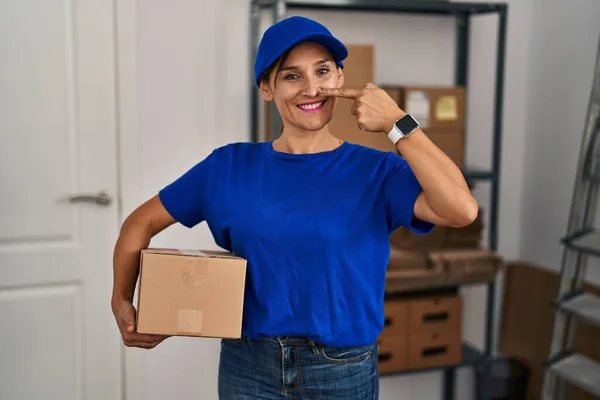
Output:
x,y
313,346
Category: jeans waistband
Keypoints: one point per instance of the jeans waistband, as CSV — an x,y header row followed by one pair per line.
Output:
x,y
294,341
290,340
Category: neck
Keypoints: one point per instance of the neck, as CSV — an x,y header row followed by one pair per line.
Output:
x,y
306,142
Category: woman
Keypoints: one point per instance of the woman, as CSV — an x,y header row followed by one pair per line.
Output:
x,y
312,215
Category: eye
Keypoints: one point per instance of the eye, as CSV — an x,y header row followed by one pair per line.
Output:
x,y
291,77
322,71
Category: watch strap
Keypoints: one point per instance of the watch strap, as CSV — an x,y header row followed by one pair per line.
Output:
x,y
394,135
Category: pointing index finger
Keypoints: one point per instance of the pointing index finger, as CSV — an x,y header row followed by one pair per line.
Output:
x,y
345,93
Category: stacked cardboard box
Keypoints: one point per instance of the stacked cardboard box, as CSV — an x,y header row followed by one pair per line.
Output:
x,y
441,237
421,333
440,112
444,268
358,71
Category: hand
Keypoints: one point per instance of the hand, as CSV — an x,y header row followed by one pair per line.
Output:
x,y
125,315
374,109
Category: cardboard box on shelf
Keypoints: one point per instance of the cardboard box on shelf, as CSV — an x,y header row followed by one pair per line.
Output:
x,y
403,238
406,260
395,319
468,237
392,354
423,332
441,113
411,280
451,141
434,350
191,293
432,106
435,314
467,265
358,71
435,325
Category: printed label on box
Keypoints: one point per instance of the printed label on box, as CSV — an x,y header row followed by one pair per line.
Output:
x,y
189,321
446,109
417,104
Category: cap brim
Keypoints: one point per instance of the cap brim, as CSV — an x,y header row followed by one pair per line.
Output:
x,y
337,49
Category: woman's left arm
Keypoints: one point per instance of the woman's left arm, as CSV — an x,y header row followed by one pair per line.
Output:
x,y
445,199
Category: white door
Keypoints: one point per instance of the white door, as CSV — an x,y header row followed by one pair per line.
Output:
x,y
58,340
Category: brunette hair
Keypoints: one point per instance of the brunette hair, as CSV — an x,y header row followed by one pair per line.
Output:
x,y
266,75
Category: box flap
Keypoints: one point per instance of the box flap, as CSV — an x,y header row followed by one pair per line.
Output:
x,y
193,253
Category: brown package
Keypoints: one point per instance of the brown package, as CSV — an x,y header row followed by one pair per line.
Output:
x,y
358,71
432,106
191,293
468,265
441,113
392,354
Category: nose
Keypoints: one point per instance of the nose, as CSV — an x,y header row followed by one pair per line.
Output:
x,y
311,89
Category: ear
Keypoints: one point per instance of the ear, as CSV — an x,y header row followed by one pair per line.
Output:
x,y
265,91
340,77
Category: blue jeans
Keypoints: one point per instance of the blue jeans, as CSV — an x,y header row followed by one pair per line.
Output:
x,y
296,368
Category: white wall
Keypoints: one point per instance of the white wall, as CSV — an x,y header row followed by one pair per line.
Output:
x,y
192,95
564,45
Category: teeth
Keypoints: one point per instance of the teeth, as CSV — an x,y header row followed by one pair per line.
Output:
x,y
311,106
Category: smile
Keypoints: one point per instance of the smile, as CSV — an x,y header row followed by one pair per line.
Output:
x,y
312,107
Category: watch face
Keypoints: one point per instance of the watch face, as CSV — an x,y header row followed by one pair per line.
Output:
x,y
407,124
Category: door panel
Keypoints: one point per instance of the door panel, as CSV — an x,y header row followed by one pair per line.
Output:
x,y
58,339
53,361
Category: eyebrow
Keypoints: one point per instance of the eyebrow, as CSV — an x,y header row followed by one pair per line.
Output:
x,y
293,67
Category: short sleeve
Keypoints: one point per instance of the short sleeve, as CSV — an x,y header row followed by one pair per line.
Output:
x,y
185,198
401,189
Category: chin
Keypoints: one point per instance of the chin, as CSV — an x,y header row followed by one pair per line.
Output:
x,y
314,126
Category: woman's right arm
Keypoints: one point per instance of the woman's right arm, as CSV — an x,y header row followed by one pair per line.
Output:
x,y
136,232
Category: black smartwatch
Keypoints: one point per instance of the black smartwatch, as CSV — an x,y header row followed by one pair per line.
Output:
x,y
403,128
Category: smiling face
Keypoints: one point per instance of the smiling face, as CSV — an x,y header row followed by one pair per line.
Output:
x,y
294,85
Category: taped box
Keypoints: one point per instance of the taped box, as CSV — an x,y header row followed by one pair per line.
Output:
x,y
191,293
468,265
445,268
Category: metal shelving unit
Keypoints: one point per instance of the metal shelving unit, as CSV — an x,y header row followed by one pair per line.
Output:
x,y
462,13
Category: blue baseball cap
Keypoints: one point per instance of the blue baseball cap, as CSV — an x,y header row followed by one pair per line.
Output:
x,y
290,32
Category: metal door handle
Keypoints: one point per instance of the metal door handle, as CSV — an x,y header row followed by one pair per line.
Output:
x,y
101,199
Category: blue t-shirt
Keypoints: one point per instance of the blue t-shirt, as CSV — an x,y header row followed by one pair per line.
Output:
x,y
314,229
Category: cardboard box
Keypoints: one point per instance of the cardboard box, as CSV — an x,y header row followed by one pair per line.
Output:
x,y
451,141
392,354
434,350
435,325
441,314
432,106
421,332
528,314
467,265
406,260
411,280
468,237
395,319
404,238
358,71
440,112
191,293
